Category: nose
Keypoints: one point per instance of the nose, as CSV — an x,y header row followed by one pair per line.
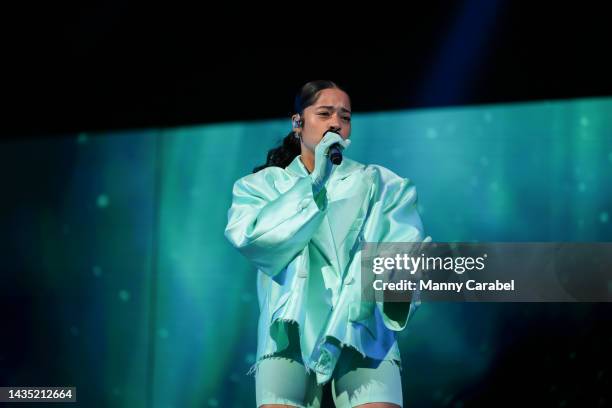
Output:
x,y
334,124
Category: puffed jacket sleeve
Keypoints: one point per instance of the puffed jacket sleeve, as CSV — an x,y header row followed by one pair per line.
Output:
x,y
268,227
396,220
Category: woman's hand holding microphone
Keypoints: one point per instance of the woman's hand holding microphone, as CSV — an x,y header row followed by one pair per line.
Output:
x,y
323,163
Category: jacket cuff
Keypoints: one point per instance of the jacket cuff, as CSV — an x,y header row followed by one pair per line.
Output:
x,y
396,315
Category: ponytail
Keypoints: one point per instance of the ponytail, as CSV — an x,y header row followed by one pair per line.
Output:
x,y
282,155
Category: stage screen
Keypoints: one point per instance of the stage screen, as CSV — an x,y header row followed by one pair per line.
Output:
x,y
117,278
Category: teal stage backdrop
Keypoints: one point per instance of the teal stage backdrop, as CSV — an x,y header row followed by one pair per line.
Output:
x,y
118,279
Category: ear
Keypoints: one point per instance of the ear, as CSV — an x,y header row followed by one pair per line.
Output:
x,y
296,122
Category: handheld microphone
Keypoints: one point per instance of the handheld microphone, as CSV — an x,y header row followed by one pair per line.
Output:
x,y
335,154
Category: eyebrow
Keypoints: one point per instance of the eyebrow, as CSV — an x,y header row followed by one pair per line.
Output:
x,y
331,107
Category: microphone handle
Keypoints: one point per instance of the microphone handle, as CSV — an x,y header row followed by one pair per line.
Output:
x,y
335,154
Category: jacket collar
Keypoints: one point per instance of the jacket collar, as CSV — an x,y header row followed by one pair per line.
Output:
x,y
348,166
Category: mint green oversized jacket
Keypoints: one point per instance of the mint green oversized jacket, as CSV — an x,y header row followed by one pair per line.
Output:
x,y
308,255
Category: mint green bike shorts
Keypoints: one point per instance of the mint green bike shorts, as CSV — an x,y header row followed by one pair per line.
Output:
x,y
283,379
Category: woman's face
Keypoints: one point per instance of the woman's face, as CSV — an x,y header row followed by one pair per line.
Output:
x,y
331,111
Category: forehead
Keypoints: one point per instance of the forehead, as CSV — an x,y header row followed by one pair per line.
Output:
x,y
333,97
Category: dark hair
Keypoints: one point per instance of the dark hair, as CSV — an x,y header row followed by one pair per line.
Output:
x,y
289,148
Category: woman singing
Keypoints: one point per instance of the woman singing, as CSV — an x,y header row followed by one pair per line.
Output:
x,y
300,219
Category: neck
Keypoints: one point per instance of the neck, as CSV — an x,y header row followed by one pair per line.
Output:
x,y
308,160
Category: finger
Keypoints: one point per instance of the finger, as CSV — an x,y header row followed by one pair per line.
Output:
x,y
331,138
345,143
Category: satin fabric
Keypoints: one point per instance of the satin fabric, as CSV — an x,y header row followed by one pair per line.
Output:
x,y
307,252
